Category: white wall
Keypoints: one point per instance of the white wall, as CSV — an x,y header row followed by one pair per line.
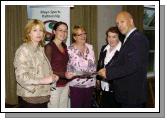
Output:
x,y
105,19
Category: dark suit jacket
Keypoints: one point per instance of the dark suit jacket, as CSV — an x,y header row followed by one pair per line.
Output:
x,y
100,64
129,70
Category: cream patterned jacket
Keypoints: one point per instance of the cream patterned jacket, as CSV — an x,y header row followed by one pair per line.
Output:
x,y
31,65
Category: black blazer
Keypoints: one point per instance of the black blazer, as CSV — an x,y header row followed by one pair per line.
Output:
x,y
100,64
129,71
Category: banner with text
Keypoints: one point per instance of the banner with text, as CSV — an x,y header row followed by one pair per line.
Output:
x,y
50,15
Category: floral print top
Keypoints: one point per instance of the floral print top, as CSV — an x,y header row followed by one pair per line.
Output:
x,y
79,63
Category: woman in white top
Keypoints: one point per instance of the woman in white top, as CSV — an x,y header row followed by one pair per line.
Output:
x,y
108,55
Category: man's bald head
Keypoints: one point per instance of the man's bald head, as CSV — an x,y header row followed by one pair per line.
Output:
x,y
125,14
124,21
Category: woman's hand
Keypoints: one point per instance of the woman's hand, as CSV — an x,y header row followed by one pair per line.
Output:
x,y
49,79
69,75
55,77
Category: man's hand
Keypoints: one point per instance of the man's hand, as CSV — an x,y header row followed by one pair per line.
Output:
x,y
102,72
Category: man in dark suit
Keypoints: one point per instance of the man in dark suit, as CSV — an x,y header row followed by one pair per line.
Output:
x,y
129,71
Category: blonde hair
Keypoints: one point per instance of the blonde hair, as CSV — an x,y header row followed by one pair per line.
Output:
x,y
28,28
75,29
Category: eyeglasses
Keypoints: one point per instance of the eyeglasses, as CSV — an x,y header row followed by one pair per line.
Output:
x,y
81,34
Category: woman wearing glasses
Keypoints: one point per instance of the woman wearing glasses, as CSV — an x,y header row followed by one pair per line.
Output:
x,y
56,51
81,61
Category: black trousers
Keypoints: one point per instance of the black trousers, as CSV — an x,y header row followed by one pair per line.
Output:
x,y
123,105
25,104
108,100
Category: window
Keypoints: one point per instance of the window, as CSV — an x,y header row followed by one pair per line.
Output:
x,y
149,31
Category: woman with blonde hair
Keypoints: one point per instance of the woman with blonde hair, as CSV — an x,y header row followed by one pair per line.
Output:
x,y
32,68
81,61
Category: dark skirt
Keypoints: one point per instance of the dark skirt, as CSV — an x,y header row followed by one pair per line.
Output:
x,y
81,97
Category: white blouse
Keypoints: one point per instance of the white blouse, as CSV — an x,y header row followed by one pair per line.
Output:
x,y
109,56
